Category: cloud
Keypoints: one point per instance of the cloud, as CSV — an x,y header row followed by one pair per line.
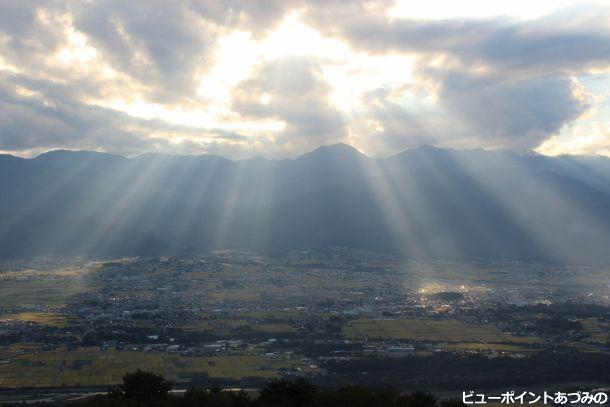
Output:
x,y
509,82
50,118
162,45
70,71
571,41
24,25
508,113
163,48
292,89
385,126
59,60
594,138
68,126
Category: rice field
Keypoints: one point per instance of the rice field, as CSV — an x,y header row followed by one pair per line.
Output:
x,y
92,366
53,287
44,318
599,332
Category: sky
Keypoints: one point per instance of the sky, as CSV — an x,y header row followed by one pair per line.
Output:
x,y
277,78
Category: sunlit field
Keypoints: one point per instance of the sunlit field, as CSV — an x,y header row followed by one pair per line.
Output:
x,y
94,367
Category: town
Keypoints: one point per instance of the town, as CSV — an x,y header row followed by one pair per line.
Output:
x,y
238,319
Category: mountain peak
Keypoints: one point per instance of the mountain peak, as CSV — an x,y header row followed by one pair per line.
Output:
x,y
340,150
83,154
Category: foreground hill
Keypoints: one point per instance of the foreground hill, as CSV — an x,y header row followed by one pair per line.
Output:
x,y
424,203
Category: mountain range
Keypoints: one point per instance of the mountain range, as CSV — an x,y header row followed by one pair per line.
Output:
x,y
422,203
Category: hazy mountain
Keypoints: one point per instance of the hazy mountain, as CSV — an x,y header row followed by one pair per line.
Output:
x,y
427,202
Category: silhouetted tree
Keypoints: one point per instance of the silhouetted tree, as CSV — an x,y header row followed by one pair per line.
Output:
x,y
216,397
453,402
141,389
142,386
418,399
296,393
357,396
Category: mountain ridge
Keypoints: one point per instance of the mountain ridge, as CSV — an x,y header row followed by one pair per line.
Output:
x,y
422,203
325,147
